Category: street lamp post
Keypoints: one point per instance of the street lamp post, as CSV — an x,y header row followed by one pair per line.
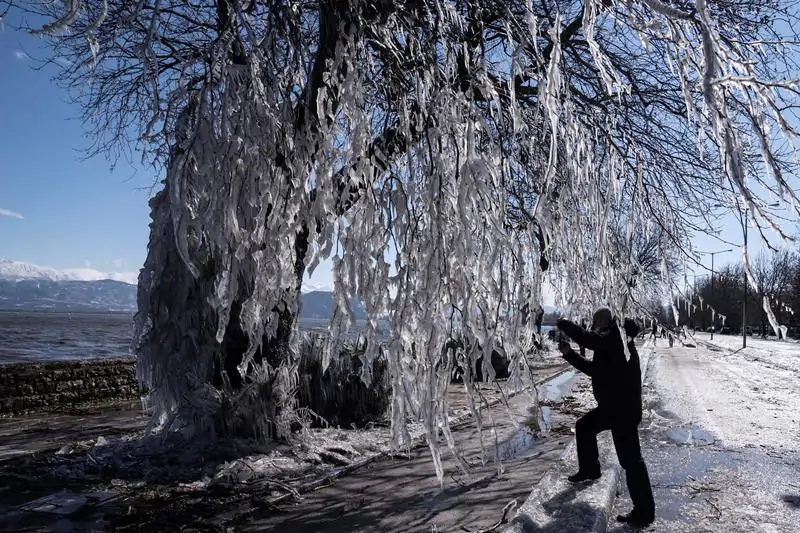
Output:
x,y
744,299
712,254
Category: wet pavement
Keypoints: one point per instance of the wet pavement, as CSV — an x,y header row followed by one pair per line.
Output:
x,y
393,493
721,442
33,433
403,495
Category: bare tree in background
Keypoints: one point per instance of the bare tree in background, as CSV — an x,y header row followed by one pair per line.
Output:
x,y
774,273
436,150
725,298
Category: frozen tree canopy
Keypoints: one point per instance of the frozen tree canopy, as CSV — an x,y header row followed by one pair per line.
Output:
x,y
443,153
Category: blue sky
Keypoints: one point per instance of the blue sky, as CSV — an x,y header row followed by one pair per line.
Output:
x,y
60,210
72,212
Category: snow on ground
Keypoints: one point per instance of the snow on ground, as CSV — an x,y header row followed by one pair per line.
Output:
x,y
771,352
722,437
743,398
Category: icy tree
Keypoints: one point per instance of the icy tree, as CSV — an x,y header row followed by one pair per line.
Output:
x,y
443,153
770,279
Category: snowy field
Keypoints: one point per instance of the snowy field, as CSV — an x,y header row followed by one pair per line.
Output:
x,y
722,436
771,352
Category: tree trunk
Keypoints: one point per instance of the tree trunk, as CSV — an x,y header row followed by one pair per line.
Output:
x,y
277,348
179,359
273,351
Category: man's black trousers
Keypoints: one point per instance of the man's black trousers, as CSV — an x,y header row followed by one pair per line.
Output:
x,y
629,452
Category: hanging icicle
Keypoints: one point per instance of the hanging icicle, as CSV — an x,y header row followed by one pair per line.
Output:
x,y
771,317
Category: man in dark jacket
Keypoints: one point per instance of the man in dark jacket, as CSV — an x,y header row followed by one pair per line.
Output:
x,y
617,387
538,319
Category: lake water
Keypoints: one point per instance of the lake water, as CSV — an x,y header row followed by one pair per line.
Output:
x,y
41,336
28,336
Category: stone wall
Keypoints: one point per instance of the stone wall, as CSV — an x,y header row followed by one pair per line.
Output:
x,y
53,386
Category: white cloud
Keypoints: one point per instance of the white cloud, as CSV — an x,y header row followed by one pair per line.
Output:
x,y
118,263
19,54
63,61
12,214
125,277
87,263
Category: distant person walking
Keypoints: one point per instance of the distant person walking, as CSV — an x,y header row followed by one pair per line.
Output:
x,y
617,387
538,319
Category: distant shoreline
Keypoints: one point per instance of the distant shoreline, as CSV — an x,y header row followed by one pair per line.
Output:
x,y
62,312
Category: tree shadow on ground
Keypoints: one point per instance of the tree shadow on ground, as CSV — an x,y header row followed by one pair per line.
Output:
x,y
397,494
424,511
393,495
793,500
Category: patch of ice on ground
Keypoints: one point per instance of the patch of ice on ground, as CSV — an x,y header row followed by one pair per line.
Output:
x,y
691,435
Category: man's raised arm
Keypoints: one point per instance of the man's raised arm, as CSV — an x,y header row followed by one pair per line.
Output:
x,y
575,359
587,339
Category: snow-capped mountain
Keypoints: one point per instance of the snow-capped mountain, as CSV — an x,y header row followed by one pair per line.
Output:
x,y
17,270
68,296
25,286
315,287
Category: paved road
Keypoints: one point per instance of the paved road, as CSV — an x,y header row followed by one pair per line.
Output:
x,y
722,442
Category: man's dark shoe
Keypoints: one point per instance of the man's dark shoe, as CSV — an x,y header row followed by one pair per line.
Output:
x,y
580,477
636,519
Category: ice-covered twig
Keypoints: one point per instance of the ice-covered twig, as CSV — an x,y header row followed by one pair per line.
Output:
x,y
507,508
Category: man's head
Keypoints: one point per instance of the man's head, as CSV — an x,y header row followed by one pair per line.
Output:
x,y
631,328
602,319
